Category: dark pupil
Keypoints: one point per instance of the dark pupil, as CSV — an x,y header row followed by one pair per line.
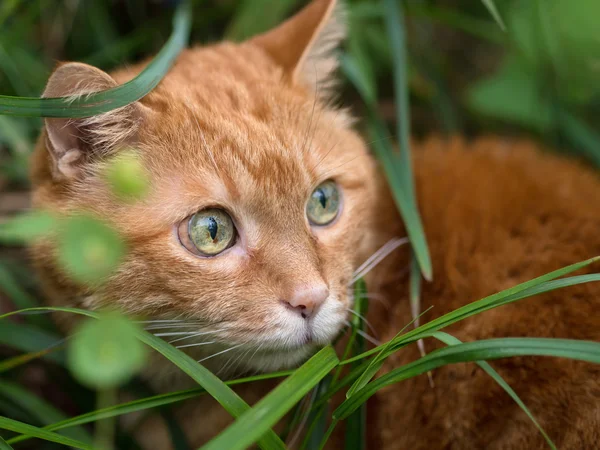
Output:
x,y
212,227
321,197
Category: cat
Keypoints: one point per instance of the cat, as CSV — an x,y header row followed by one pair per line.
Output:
x,y
263,203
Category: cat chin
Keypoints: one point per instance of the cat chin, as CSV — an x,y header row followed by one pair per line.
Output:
x,y
274,360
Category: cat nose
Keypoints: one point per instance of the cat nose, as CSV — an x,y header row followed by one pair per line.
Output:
x,y
306,300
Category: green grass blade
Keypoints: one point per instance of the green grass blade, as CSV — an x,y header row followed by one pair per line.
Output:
x,y
356,424
20,427
451,340
474,351
376,363
112,98
38,408
4,445
271,408
532,287
584,138
144,404
232,403
491,6
394,19
30,339
393,169
247,22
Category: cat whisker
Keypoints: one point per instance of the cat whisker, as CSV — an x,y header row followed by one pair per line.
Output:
x,y
351,311
195,344
221,352
191,325
175,333
195,334
367,336
376,254
377,257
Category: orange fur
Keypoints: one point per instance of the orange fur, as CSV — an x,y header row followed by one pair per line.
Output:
x,y
248,128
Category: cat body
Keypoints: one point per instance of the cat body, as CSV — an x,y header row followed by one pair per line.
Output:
x,y
496,212
248,130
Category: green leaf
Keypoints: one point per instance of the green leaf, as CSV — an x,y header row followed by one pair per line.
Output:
x,y
14,291
356,424
489,4
395,29
381,145
105,353
580,135
23,428
28,338
247,22
4,445
27,227
494,97
38,408
127,176
89,249
271,408
474,351
112,98
232,403
451,340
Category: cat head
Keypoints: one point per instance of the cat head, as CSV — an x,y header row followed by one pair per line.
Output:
x,y
261,196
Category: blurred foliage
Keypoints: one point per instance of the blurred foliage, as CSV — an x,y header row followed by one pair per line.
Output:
x,y
106,353
466,75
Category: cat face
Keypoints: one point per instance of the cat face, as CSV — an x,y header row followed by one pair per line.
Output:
x,y
261,196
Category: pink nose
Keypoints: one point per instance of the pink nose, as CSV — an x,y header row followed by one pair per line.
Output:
x,y
306,300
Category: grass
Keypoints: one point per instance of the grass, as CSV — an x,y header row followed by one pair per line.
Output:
x,y
380,63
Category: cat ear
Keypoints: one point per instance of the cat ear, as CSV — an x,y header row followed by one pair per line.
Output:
x,y
74,142
304,46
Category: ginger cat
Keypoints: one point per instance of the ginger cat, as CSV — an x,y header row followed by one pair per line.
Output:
x,y
264,202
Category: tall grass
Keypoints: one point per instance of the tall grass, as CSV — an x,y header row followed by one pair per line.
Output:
x,y
380,39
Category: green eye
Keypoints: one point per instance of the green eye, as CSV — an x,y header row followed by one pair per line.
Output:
x,y
324,204
208,232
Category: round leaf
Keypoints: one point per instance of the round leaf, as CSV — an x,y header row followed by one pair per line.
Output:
x,y
127,176
106,352
88,249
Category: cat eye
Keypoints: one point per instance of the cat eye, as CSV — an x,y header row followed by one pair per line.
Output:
x,y
324,204
208,232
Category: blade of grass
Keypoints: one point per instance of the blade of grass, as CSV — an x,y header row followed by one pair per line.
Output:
x,y
144,404
20,427
394,19
232,403
382,146
375,364
30,339
532,287
356,423
474,351
314,436
456,19
491,6
40,409
451,340
317,418
112,98
4,445
271,408
247,22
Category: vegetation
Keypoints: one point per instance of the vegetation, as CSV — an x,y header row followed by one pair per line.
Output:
x,y
537,77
